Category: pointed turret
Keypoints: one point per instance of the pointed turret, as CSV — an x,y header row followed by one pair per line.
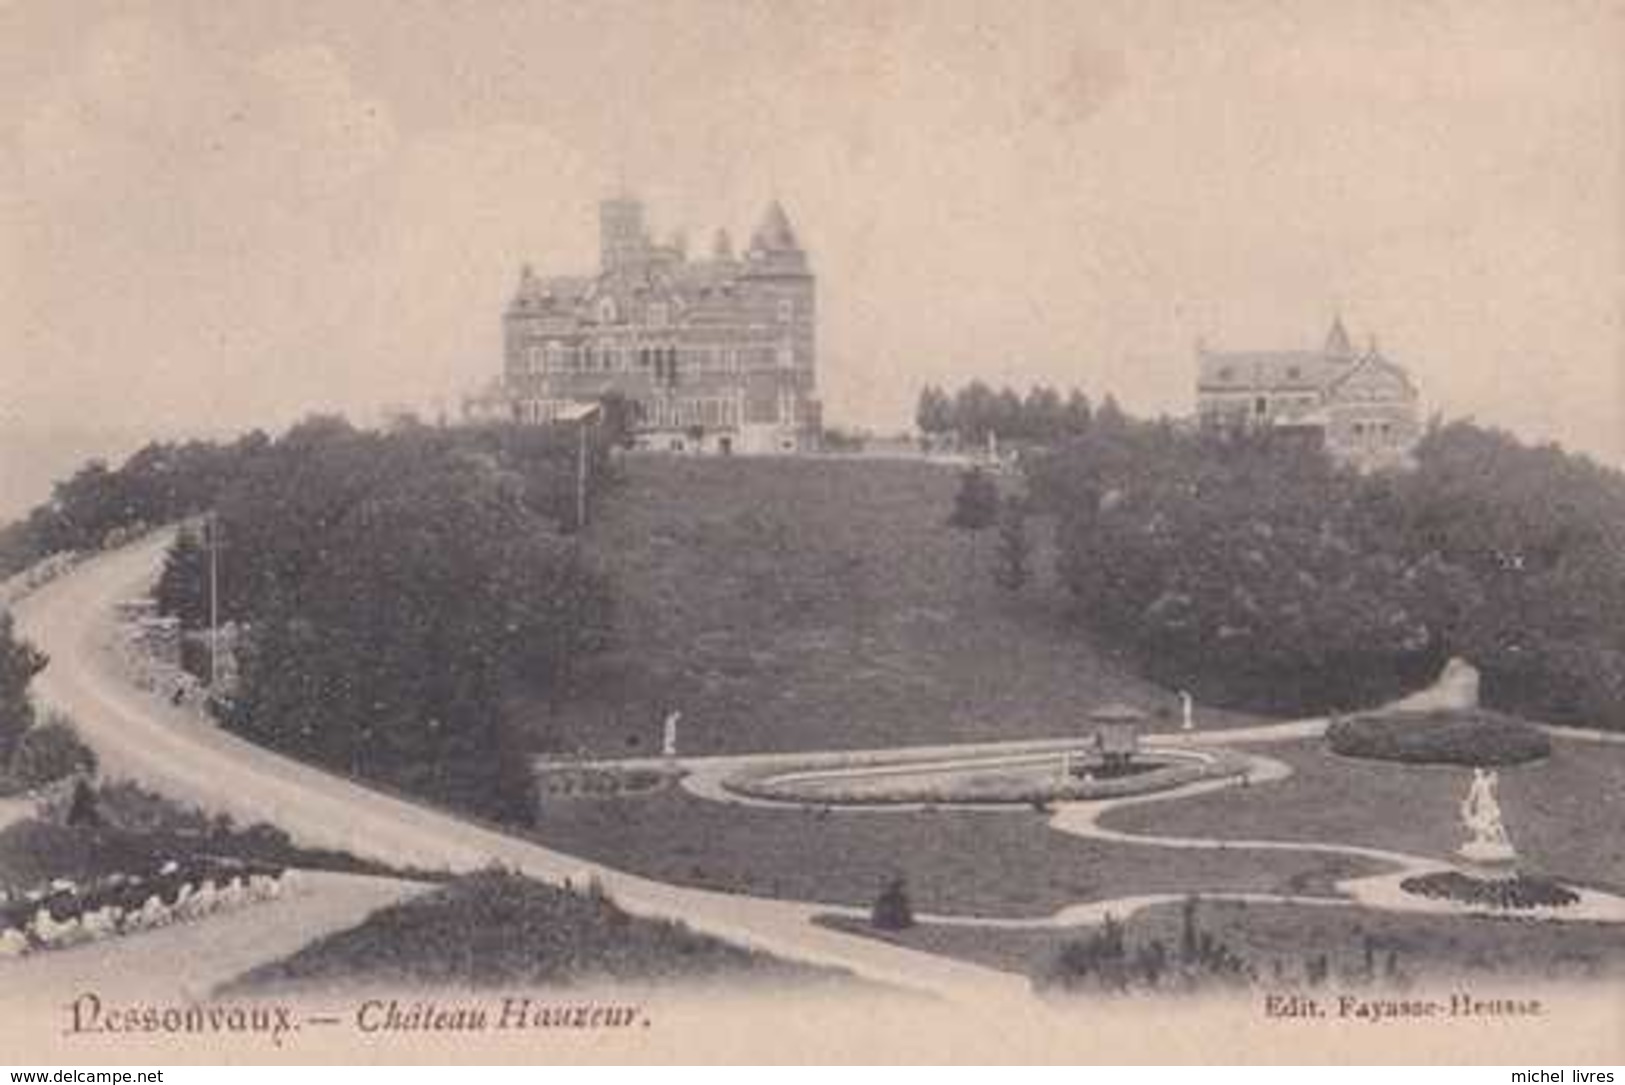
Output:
x,y
1337,340
529,291
722,246
775,233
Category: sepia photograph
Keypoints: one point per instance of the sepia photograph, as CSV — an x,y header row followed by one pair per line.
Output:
x,y
863,531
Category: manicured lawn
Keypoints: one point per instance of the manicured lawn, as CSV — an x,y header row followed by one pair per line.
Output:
x,y
956,862
1425,947
803,604
495,929
1563,814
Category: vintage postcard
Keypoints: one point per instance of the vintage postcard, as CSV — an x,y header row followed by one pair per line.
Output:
x,y
549,531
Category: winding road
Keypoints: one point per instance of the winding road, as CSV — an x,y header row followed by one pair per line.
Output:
x,y
179,752
142,736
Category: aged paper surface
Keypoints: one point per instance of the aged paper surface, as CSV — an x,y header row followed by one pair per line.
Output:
x,y
930,532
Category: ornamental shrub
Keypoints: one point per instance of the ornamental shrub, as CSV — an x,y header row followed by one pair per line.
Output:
x,y
49,752
1475,737
892,910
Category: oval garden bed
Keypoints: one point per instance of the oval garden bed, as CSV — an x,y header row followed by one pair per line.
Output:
x,y
1030,779
1519,892
1473,737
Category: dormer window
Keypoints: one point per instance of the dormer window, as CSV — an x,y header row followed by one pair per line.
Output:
x,y
1227,373
1293,373
606,310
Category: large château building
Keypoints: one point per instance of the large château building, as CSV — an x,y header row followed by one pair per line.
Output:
x,y
715,354
1361,407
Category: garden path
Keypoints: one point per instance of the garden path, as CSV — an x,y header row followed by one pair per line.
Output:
x,y
176,751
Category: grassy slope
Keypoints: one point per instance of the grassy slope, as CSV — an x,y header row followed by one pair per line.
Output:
x,y
494,928
819,604
1428,947
1562,813
956,862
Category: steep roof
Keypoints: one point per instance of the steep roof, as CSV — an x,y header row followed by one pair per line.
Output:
x,y
775,234
1337,340
1373,360
1275,370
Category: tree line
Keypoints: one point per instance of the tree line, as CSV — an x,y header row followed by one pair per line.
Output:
x,y
1042,416
393,590
1259,575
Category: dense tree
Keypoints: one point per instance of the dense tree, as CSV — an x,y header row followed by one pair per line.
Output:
x,y
934,412
976,506
1015,549
1259,574
182,590
19,663
977,410
976,503
394,589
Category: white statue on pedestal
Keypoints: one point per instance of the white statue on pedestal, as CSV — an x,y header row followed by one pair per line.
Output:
x,y
668,743
1481,813
1187,706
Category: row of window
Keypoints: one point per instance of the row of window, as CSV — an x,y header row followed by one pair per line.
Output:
x,y
1367,431
708,411
663,361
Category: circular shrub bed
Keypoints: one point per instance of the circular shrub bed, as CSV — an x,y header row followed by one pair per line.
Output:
x,y
1522,891
1473,737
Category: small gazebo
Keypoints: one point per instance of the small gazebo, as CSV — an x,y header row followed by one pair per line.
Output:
x,y
1117,732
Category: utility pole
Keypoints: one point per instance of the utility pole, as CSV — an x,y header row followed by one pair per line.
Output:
x,y
212,528
581,474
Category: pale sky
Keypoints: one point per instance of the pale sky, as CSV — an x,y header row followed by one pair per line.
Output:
x,y
215,215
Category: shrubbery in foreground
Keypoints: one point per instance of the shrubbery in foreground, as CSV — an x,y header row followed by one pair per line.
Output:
x,y
496,928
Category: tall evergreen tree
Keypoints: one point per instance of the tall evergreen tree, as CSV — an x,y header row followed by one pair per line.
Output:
x,y
19,663
1015,549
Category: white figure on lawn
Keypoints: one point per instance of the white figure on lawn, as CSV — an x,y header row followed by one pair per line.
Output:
x,y
1187,707
668,742
1481,813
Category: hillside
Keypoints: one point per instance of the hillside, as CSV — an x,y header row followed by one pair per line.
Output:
x,y
799,604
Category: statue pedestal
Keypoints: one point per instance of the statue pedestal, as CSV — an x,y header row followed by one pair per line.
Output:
x,y
1489,860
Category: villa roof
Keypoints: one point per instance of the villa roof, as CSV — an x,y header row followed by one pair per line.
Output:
x,y
1308,370
1373,359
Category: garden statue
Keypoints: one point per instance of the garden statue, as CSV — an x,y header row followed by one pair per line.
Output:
x,y
668,744
1481,813
1187,708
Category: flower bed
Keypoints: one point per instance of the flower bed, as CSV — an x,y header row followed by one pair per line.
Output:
x,y
66,913
1522,891
1472,737
602,782
1028,779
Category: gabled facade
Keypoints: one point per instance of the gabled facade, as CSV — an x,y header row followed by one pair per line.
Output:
x,y
1362,408
714,354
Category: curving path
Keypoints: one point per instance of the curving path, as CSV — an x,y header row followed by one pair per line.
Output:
x,y
707,778
178,752
181,753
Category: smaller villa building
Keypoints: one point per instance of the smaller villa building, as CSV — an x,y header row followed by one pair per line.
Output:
x,y
1361,407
